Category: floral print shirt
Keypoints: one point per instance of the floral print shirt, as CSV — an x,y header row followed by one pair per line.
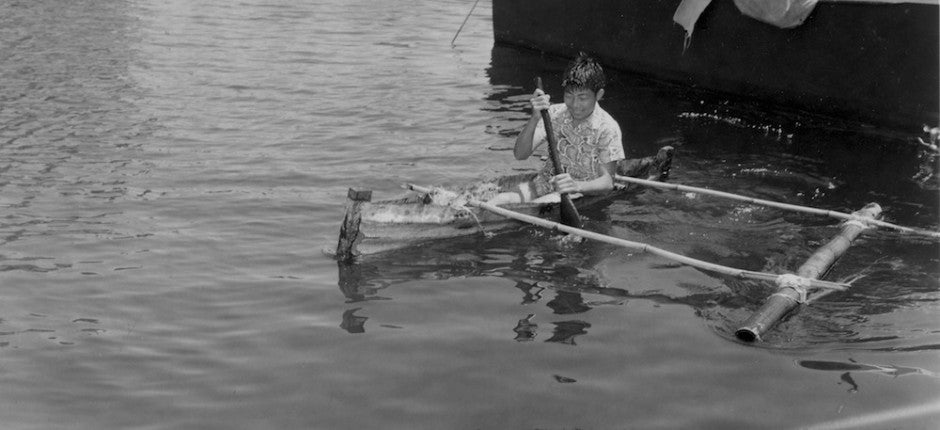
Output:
x,y
582,148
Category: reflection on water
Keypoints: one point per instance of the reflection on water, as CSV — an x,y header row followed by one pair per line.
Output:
x,y
566,331
566,302
531,292
525,329
568,281
534,270
853,367
545,271
574,281
353,323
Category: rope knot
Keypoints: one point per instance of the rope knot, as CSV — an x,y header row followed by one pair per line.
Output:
x,y
458,201
796,283
860,222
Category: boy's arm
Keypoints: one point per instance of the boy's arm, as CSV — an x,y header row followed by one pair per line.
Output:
x,y
600,185
525,146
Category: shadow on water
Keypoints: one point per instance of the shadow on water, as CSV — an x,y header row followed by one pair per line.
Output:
x,y
730,145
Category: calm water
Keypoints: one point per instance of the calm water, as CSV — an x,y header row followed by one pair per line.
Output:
x,y
171,172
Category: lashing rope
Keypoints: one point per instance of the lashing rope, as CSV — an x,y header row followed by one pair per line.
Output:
x,y
458,201
796,283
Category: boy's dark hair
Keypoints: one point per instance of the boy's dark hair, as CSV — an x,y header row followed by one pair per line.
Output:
x,y
584,72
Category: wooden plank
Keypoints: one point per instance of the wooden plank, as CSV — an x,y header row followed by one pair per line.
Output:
x,y
349,231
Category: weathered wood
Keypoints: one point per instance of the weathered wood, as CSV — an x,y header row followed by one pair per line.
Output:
x,y
787,297
349,233
655,168
359,195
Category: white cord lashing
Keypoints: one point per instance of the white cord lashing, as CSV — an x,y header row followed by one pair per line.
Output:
x,y
859,222
795,283
458,202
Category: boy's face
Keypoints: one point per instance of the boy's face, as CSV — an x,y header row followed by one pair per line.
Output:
x,y
581,102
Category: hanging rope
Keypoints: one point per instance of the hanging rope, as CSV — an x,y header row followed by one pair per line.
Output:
x,y
463,24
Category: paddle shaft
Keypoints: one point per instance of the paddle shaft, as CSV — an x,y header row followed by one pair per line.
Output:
x,y
569,213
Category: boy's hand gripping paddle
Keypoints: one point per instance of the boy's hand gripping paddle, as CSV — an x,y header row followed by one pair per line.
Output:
x,y
569,213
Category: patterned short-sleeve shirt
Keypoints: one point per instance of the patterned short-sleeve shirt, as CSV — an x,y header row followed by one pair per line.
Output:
x,y
582,148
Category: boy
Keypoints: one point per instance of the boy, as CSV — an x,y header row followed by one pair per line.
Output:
x,y
589,139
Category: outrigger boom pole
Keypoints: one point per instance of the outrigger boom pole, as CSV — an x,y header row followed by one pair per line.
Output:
x,y
704,265
778,205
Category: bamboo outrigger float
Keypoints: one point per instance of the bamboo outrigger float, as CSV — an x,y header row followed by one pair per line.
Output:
x,y
792,292
793,289
373,227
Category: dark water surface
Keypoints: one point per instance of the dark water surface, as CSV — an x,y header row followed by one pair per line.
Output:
x,y
171,172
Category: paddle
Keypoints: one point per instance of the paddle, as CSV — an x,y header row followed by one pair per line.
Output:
x,y
569,213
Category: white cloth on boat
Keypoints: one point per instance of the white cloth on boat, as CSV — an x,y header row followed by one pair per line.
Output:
x,y
780,13
554,197
687,15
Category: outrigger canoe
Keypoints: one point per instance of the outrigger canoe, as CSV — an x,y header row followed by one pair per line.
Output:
x,y
374,227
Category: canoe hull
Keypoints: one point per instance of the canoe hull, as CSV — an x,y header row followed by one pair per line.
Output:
x,y
375,227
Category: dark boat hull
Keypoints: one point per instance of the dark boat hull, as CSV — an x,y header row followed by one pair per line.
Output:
x,y
874,63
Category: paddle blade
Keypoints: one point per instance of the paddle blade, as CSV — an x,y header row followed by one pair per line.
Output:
x,y
569,213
